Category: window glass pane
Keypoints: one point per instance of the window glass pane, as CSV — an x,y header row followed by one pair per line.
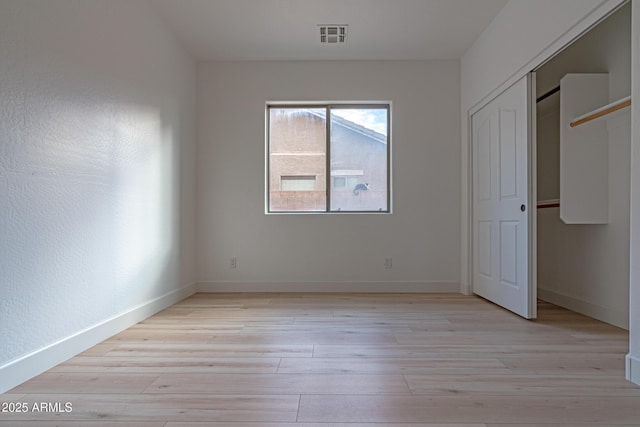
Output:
x,y
297,159
359,154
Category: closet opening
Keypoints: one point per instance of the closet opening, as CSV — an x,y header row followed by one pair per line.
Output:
x,y
583,138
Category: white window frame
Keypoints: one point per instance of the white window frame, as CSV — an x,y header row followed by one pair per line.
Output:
x,y
328,175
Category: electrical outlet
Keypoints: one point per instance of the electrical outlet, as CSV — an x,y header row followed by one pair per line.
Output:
x,y
233,262
388,263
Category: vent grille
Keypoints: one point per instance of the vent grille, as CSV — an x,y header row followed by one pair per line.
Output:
x,y
333,34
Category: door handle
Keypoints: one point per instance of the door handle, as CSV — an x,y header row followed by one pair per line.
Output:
x,y
523,208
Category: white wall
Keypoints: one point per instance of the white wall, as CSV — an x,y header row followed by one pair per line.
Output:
x,y
586,267
633,358
97,146
524,31
338,251
523,35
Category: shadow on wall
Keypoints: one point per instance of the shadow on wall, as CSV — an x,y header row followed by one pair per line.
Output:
x,y
90,217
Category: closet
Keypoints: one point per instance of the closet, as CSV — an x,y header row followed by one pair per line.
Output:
x,y
583,172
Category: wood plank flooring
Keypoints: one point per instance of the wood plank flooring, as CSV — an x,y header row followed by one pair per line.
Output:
x,y
432,360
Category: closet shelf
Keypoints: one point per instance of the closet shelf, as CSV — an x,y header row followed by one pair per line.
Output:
x,y
602,111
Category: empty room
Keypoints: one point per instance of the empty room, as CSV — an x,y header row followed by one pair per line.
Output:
x,y
319,213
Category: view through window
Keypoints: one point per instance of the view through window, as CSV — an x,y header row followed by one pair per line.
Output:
x,y
336,165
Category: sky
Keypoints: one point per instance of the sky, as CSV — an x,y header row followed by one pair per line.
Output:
x,y
374,119
371,118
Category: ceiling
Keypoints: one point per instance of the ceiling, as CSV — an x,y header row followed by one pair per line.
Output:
x,y
232,30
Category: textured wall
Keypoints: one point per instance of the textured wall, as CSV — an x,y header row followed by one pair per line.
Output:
x,y
304,250
96,166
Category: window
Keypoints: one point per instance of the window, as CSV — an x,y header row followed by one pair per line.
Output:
x,y
336,165
346,180
297,183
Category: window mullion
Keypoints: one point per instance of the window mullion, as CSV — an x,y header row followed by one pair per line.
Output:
x,y
327,151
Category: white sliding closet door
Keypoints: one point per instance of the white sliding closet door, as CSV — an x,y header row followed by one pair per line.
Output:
x,y
503,209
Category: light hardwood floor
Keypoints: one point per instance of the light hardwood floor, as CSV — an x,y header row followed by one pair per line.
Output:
x,y
245,360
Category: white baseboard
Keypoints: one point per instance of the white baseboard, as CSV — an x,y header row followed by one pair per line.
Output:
x,y
20,370
373,287
633,369
617,318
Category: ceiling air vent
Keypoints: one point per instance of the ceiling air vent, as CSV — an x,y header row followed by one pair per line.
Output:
x,y
333,34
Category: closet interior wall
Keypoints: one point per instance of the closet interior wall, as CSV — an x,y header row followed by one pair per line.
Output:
x,y
584,267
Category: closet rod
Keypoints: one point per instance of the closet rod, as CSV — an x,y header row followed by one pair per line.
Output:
x,y
548,94
545,204
607,109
